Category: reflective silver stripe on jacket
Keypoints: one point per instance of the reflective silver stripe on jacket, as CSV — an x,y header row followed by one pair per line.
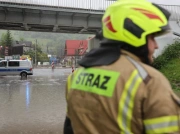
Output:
x,y
142,72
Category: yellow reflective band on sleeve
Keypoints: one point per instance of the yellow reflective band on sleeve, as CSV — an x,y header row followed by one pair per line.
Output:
x,y
69,82
97,81
126,103
68,88
165,124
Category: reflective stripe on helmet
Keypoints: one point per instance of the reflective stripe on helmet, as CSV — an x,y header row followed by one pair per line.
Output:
x,y
126,103
165,124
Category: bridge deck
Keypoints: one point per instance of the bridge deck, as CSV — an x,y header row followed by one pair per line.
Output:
x,y
52,18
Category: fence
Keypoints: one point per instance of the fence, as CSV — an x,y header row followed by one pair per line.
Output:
x,y
89,5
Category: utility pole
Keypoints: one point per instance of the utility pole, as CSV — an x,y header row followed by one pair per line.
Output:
x,y
76,54
75,58
61,55
35,51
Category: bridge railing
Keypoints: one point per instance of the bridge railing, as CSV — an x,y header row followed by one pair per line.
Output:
x,y
175,11
75,4
88,5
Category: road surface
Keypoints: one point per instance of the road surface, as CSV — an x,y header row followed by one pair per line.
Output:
x,y
33,106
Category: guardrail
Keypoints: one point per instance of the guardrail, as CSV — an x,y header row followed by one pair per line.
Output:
x,y
88,5
75,4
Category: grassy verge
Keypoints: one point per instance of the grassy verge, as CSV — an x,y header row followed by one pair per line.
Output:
x,y
172,71
169,64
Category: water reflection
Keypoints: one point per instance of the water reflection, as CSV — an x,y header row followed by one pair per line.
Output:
x,y
28,95
32,106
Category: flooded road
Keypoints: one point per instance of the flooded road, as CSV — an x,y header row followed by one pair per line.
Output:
x,y
33,106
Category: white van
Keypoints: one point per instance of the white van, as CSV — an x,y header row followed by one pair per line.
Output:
x,y
16,67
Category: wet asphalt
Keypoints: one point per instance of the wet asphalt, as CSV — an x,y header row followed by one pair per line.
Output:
x,y
33,106
36,105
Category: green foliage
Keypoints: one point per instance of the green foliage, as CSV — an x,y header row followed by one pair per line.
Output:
x,y
54,41
9,39
40,55
169,53
169,64
6,39
50,43
21,39
31,53
3,39
171,71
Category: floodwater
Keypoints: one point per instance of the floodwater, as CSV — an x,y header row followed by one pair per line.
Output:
x,y
33,106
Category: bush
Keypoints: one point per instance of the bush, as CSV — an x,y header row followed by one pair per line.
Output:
x,y
169,53
159,62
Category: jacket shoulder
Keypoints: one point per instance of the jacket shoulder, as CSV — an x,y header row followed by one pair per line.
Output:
x,y
157,79
154,73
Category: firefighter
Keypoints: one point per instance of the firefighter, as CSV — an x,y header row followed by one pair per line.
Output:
x,y
72,69
52,66
67,123
117,90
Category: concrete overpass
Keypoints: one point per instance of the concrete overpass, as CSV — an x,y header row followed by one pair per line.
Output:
x,y
58,15
48,18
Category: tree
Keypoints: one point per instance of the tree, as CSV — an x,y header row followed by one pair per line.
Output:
x,y
9,39
3,39
40,56
31,53
6,41
38,49
21,39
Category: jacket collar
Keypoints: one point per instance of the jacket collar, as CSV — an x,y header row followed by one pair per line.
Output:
x,y
124,52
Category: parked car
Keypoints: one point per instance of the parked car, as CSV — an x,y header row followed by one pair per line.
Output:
x,y
16,67
1,59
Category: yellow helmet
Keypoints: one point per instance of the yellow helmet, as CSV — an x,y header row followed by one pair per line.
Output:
x,y
130,21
